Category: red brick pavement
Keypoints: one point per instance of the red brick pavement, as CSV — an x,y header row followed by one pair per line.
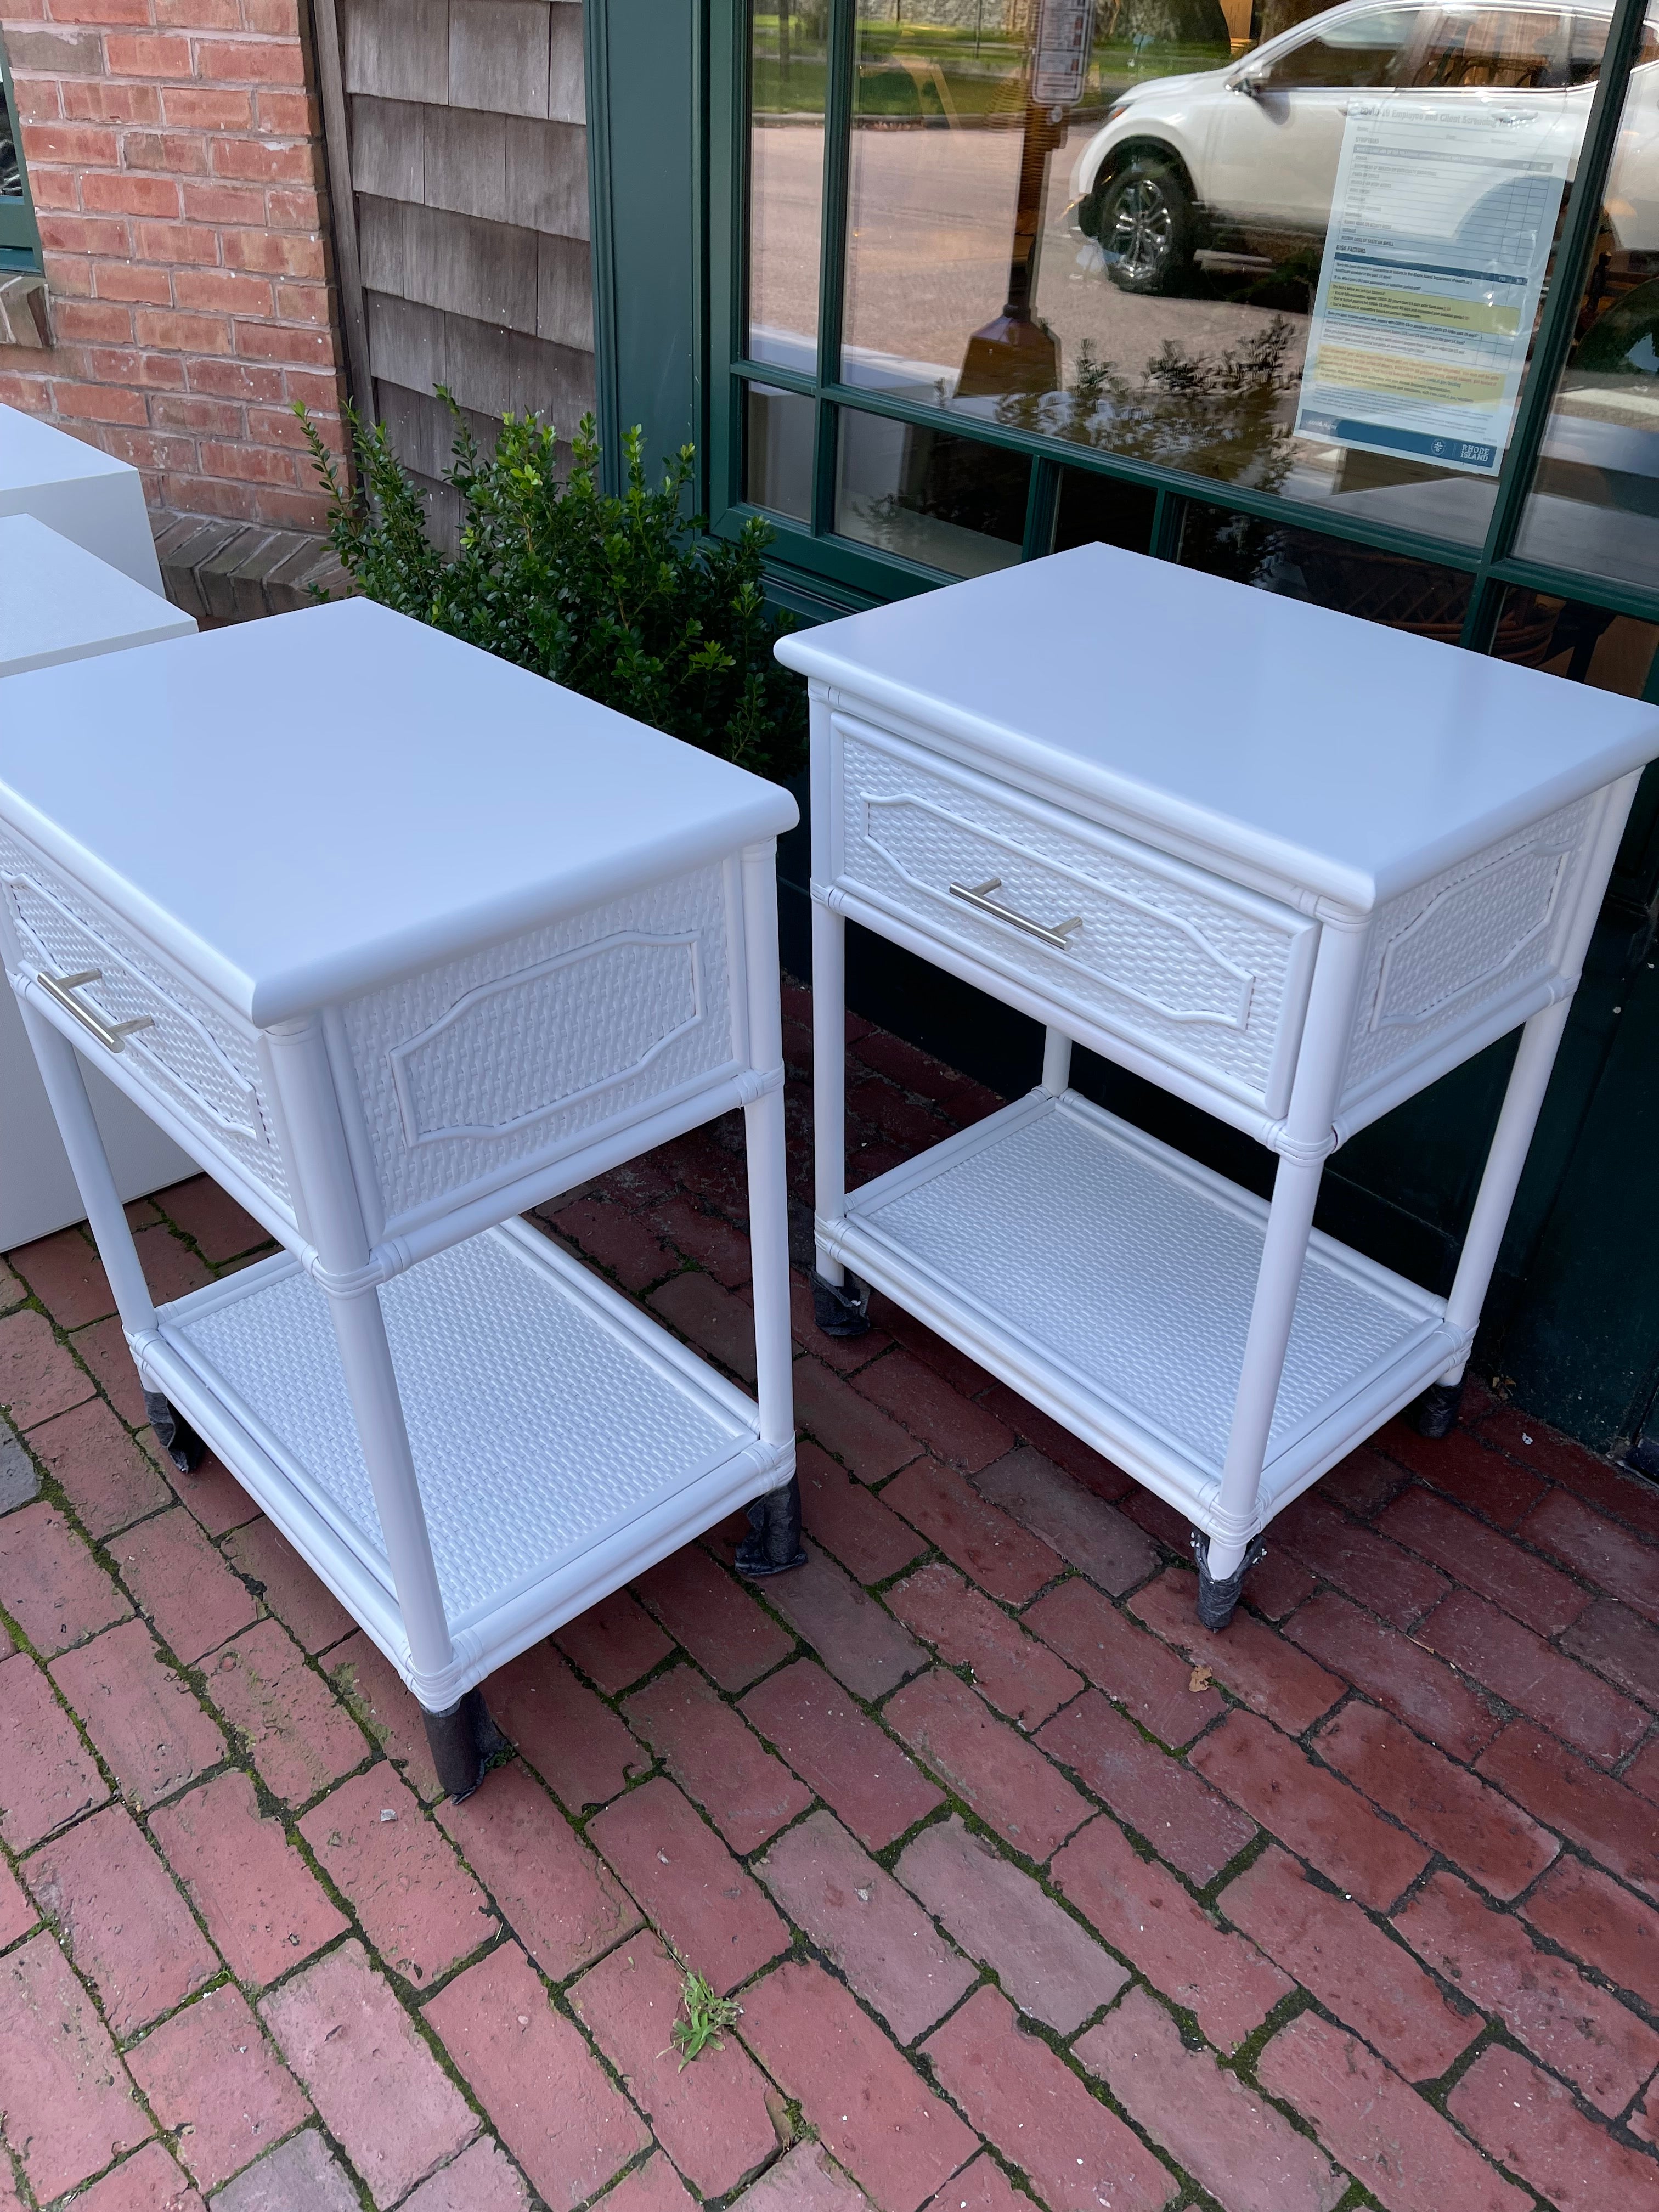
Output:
x,y
1016,1904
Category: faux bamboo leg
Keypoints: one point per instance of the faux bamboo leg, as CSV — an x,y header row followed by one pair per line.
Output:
x,y
1056,1061
773,1545
372,1385
1224,1561
298,1059
1435,1412
841,1307
66,1091
65,1088
1228,1553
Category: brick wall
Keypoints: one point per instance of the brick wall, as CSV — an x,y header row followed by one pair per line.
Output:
x,y
173,148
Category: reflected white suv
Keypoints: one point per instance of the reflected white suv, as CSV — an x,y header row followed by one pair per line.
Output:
x,y
1245,157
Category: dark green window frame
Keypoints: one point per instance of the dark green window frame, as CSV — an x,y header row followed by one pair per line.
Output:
x,y
20,238
819,572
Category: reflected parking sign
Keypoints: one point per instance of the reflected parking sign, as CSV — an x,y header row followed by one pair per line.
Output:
x,y
1066,31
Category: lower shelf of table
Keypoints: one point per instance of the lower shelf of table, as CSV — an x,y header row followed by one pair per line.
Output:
x,y
563,1441
1110,1280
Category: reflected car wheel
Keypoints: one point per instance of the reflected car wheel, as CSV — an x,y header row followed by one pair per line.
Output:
x,y
1146,227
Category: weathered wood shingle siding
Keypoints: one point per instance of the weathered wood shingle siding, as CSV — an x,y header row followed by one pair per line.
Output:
x,y
468,155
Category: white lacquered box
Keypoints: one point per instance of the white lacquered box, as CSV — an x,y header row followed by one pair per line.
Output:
x,y
398,941
1288,866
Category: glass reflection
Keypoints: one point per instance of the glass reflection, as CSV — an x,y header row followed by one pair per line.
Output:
x,y
926,495
1096,510
1595,501
1392,588
787,73
1134,261
778,455
1586,644
11,171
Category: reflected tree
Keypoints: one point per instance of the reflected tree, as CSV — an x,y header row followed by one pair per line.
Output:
x,y
1213,414
1150,25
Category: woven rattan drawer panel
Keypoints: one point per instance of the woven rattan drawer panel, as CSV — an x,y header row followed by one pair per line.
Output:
x,y
480,1069
1441,955
197,1059
1192,970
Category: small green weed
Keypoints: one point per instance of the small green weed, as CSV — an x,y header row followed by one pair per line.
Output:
x,y
706,2014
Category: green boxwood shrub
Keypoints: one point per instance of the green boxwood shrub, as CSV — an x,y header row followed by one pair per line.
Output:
x,y
627,598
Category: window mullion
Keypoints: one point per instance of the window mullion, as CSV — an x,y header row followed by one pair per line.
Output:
x,y
1041,506
1555,327
1167,518
832,257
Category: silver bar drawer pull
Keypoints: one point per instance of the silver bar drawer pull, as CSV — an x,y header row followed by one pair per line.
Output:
x,y
973,894
111,1036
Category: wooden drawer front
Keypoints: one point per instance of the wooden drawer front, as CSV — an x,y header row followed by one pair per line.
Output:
x,y
479,1071
191,1053
1198,972
1441,956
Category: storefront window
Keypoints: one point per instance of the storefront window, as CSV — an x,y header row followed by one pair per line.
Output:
x,y
1595,501
1215,258
1298,255
927,496
778,471
787,77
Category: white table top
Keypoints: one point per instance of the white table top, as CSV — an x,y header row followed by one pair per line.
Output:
x,y
85,495
57,603
1350,758
35,452
300,809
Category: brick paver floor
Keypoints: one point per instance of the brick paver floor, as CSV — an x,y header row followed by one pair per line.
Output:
x,y
1026,1889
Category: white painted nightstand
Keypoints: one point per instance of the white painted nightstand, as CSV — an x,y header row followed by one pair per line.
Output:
x,y
57,604
1289,865
397,941
89,497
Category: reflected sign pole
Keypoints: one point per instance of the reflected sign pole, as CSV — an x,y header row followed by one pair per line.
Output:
x,y
1016,353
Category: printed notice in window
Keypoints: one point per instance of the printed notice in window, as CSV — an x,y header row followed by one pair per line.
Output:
x,y
1441,226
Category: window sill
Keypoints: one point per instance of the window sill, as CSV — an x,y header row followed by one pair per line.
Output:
x,y
25,310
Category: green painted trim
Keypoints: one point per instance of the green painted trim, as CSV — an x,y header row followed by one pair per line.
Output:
x,y
701,91
786,379
727,205
596,55
843,37
1168,514
648,155
1041,511
839,82
20,233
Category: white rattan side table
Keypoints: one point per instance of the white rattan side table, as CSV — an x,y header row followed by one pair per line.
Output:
x,y
397,941
1288,866
94,500
57,603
